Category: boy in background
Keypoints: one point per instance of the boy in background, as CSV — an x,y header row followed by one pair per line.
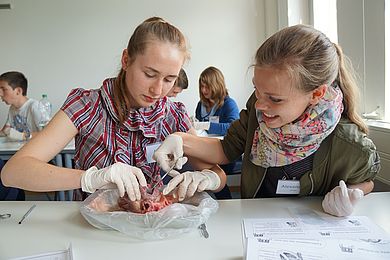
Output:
x,y
23,115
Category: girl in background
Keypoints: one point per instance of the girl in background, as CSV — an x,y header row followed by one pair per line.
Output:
x,y
216,110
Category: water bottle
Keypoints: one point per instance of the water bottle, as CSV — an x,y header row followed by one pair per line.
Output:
x,y
45,111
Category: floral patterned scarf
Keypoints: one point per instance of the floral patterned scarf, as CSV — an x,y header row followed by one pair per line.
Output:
x,y
273,147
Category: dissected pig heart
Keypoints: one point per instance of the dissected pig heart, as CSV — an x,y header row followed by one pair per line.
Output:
x,y
148,202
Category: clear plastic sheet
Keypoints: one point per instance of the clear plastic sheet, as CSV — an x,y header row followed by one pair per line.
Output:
x,y
101,210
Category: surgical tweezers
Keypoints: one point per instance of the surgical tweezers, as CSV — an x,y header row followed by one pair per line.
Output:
x,y
165,175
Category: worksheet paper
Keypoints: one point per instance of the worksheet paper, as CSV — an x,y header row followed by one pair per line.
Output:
x,y
354,237
317,249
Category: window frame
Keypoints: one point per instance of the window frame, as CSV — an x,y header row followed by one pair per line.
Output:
x,y
361,33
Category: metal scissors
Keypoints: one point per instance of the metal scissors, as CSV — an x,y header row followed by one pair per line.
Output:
x,y
5,216
165,175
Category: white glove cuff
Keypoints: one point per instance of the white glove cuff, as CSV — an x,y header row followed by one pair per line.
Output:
x,y
86,184
7,130
16,135
177,139
215,181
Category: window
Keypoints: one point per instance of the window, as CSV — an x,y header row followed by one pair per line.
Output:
x,y
359,26
325,18
362,28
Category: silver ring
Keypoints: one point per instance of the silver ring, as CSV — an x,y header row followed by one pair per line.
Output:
x,y
4,216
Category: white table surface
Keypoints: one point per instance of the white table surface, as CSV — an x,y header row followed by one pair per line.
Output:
x,y
63,159
10,148
53,226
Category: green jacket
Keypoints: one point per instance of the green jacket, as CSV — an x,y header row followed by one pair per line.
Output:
x,y
346,154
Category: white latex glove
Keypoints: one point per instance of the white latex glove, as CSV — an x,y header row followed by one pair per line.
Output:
x,y
170,154
126,177
190,182
15,135
201,125
5,131
341,200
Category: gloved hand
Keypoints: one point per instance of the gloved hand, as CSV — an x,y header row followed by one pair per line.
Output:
x,y
341,200
189,182
170,154
5,131
201,125
126,177
15,135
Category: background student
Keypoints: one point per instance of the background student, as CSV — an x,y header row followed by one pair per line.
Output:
x,y
23,114
216,110
114,126
181,83
300,129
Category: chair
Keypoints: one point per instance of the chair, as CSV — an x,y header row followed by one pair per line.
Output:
x,y
9,193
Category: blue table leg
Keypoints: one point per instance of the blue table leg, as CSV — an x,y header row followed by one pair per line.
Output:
x,y
68,164
60,195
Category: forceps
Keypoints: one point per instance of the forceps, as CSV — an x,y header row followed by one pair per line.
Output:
x,y
5,216
165,175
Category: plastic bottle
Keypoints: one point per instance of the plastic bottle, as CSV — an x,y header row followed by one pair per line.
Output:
x,y
45,110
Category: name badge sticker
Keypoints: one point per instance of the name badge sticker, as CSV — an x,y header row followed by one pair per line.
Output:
x,y
150,148
214,119
288,187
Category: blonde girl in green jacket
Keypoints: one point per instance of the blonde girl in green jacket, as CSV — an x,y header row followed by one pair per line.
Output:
x,y
300,133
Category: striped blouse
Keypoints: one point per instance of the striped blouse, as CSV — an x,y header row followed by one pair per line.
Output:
x,y
102,140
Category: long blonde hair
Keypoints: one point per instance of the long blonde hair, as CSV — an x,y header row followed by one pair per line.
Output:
x,y
312,60
214,79
152,29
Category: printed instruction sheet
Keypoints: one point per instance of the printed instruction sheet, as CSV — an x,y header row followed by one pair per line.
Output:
x,y
308,236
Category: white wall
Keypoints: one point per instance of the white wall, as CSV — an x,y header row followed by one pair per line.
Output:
x,y
64,44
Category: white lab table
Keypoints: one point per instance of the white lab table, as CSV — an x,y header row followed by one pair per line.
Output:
x,y
8,148
53,226
63,159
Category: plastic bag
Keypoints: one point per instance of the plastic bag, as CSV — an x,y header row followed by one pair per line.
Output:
x,y
101,210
